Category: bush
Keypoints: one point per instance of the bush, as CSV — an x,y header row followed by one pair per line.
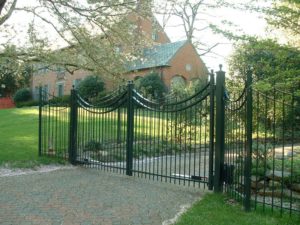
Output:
x,y
27,103
90,87
63,100
22,95
151,86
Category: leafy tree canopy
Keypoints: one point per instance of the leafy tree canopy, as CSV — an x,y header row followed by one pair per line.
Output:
x,y
272,63
13,74
285,15
151,85
85,31
90,87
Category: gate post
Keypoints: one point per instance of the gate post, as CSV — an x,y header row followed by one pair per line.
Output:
x,y
130,131
40,120
211,129
73,128
220,131
248,160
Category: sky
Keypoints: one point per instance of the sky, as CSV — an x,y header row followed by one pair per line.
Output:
x,y
250,23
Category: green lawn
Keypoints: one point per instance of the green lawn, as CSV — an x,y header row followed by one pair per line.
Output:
x,y
19,148
19,138
216,209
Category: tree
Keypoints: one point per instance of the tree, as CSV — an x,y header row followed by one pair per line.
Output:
x,y
91,87
14,74
285,15
151,86
281,15
196,18
274,66
272,63
88,30
8,73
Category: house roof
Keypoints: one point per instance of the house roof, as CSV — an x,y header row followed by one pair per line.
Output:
x,y
156,56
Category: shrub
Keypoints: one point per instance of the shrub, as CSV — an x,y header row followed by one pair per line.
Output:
x,y
63,100
90,87
22,95
27,103
151,86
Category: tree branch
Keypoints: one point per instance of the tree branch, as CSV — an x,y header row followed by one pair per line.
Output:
x,y
9,13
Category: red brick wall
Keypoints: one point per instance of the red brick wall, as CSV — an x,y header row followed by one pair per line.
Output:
x,y
186,55
50,78
146,27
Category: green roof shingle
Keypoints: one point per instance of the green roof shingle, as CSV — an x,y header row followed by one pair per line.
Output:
x,y
156,56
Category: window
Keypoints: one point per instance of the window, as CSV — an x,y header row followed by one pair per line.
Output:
x,y
188,67
36,95
76,82
46,91
154,36
60,73
60,89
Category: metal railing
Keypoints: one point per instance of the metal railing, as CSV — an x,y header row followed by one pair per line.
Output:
x,y
247,144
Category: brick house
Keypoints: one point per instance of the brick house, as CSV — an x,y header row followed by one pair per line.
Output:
x,y
170,60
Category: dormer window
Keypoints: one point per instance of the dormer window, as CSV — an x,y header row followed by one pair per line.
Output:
x,y
154,36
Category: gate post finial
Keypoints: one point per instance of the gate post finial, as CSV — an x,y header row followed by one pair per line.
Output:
x,y
220,66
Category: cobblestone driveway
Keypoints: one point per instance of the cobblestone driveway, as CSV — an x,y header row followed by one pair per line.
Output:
x,y
88,196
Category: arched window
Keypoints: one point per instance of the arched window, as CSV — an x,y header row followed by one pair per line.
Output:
x,y
178,80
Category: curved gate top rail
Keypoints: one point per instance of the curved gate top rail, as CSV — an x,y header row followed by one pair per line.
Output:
x,y
166,139
247,146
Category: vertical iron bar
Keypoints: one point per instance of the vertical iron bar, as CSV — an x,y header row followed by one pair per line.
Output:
x,y
211,129
248,160
292,158
220,113
40,120
130,129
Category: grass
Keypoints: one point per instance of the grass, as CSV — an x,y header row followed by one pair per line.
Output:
x,y
19,138
215,209
18,148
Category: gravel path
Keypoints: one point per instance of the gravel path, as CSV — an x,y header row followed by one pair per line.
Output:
x,y
89,196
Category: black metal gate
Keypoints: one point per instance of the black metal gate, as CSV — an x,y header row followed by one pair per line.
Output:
x,y
166,139
209,139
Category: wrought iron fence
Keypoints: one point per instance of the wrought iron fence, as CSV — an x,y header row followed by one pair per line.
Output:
x,y
262,136
54,126
246,144
165,139
275,173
